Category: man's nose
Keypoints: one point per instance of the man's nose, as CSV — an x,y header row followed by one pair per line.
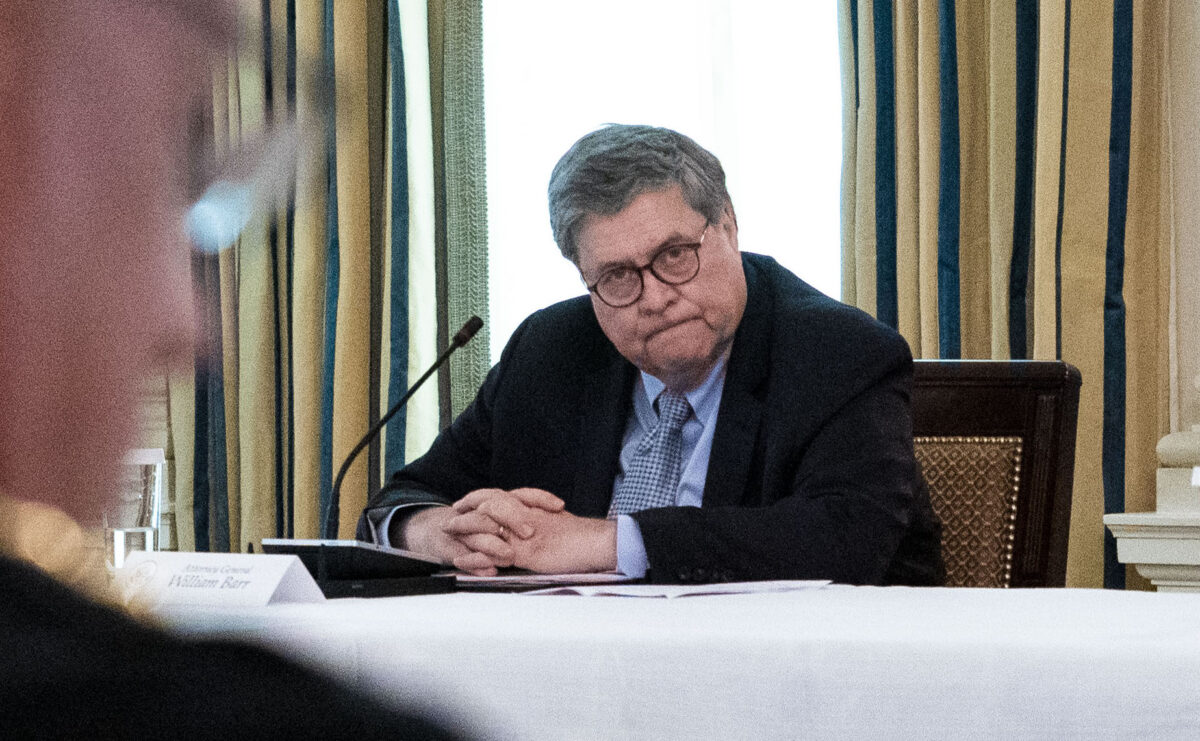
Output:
x,y
656,294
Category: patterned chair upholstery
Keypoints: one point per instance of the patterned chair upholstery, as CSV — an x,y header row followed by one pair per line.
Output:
x,y
996,444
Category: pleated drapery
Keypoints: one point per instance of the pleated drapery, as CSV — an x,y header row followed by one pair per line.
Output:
x,y
1005,195
456,53
321,314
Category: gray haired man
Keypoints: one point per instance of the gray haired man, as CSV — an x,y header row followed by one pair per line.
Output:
x,y
702,415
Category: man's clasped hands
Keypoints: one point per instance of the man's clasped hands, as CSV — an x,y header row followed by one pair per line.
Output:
x,y
490,529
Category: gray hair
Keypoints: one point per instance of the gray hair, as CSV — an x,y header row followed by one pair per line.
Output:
x,y
605,170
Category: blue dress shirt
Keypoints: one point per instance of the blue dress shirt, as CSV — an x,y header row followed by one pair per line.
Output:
x,y
697,445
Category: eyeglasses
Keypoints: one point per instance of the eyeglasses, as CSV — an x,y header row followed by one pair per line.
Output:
x,y
267,168
674,264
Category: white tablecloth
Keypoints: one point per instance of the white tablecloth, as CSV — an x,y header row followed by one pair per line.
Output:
x,y
839,662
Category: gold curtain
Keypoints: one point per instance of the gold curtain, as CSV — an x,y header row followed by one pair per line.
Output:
x,y
990,150
313,334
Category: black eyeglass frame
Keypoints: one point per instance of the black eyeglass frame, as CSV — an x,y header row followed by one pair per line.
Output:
x,y
693,247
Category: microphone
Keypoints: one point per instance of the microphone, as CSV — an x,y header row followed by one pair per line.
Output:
x,y
352,568
462,337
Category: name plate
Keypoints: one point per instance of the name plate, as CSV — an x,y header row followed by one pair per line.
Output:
x,y
167,579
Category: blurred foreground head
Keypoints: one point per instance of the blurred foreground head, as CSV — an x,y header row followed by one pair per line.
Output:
x,y
94,270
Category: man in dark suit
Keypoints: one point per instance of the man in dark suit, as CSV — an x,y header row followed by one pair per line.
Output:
x,y
790,454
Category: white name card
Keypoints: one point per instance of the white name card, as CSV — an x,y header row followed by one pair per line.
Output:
x,y
1196,476
164,579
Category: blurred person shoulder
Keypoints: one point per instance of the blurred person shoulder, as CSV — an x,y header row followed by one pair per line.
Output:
x,y
79,669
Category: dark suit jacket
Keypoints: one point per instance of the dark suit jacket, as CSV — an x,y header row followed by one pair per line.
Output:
x,y
73,669
811,474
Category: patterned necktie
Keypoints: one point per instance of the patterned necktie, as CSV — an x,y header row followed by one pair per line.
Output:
x,y
653,474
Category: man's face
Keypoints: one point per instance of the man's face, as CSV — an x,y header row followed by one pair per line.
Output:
x,y
674,333
95,276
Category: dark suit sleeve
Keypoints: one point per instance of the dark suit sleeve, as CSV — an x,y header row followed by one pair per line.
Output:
x,y
835,502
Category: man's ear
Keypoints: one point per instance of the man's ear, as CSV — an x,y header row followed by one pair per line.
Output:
x,y
728,213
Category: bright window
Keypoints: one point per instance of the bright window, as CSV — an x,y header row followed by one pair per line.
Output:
x,y
754,81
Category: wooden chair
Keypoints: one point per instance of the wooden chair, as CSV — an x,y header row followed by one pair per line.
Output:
x,y
996,444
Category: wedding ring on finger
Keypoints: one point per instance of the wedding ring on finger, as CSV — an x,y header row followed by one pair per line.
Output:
x,y
503,533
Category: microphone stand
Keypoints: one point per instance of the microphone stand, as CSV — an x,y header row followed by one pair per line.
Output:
x,y
462,337
358,569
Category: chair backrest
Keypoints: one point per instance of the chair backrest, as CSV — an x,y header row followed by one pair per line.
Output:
x,y
996,444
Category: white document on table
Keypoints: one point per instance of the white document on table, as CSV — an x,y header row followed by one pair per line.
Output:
x,y
671,591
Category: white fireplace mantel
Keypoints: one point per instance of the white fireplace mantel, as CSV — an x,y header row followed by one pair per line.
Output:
x,y
1164,545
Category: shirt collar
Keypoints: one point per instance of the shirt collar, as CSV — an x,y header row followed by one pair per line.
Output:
x,y
705,398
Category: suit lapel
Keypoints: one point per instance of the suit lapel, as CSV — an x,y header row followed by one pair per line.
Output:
x,y
740,415
604,410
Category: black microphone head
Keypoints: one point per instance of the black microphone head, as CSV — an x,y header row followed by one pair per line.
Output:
x,y
468,331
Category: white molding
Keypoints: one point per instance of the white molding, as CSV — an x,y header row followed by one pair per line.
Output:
x,y
1164,548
